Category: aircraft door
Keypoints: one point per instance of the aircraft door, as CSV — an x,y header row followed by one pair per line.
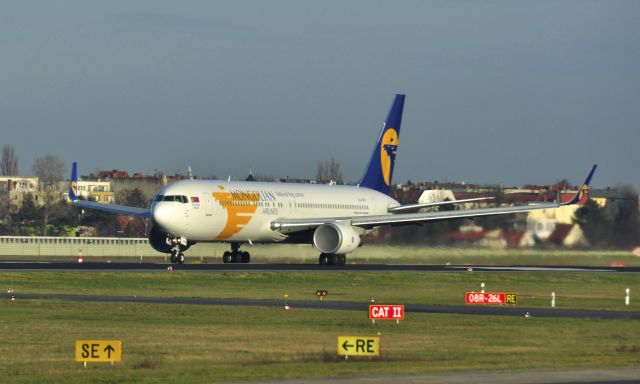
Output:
x,y
208,204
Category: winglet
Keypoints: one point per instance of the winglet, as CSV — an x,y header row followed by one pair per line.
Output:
x,y
73,183
584,188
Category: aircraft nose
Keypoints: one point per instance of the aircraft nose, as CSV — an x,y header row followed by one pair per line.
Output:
x,y
161,215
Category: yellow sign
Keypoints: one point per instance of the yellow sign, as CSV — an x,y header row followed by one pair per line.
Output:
x,y
358,346
511,298
98,350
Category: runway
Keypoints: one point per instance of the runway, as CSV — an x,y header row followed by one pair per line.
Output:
x,y
152,267
342,306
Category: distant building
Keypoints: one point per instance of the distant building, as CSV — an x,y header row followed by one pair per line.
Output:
x,y
99,191
114,174
21,184
18,186
568,235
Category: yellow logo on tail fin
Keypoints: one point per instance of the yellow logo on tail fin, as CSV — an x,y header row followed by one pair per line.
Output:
x,y
584,190
388,150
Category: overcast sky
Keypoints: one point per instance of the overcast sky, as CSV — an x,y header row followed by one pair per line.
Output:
x,y
508,92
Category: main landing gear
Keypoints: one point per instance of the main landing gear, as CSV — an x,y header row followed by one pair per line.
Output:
x,y
332,259
236,256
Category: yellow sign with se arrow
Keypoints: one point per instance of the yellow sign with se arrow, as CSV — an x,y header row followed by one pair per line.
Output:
x,y
98,350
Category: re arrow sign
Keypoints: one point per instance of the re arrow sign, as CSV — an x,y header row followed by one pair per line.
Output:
x,y
98,350
358,346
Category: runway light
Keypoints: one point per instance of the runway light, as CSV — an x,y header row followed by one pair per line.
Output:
x,y
481,287
169,268
527,315
469,269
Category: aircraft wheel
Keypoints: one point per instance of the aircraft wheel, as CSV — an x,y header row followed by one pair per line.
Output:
x,y
173,258
226,257
180,258
324,259
341,259
245,257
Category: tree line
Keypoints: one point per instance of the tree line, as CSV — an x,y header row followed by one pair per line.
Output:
x,y
59,218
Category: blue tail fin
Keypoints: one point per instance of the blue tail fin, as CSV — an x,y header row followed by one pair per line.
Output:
x,y
380,168
73,183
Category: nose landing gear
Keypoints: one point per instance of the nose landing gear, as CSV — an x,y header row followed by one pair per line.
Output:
x,y
178,245
236,256
176,257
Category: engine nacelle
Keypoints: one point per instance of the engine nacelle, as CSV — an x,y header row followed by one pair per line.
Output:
x,y
338,238
158,240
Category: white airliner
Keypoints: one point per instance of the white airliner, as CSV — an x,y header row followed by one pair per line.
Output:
x,y
334,218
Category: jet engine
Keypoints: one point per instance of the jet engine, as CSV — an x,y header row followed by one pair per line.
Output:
x,y
337,238
158,240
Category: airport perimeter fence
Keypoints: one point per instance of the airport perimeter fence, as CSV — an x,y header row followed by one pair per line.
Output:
x,y
45,246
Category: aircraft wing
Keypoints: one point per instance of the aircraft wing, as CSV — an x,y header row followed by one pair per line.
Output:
x,y
295,225
113,208
417,207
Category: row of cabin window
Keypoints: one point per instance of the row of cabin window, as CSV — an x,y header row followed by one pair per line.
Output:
x,y
334,206
256,203
299,205
67,240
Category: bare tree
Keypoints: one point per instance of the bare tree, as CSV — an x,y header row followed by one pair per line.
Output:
x,y
50,170
329,171
321,175
7,211
335,173
9,163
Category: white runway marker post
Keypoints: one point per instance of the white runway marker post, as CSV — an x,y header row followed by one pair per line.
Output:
x,y
627,298
553,299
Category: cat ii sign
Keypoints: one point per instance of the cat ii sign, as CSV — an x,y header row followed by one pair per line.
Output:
x,y
386,312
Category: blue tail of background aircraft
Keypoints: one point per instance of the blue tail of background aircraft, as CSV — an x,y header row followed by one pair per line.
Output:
x,y
73,183
380,168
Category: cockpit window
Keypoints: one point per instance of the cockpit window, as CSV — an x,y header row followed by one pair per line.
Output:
x,y
178,198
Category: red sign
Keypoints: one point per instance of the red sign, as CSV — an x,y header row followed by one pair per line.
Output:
x,y
491,298
386,312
